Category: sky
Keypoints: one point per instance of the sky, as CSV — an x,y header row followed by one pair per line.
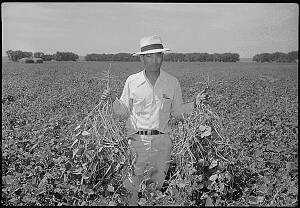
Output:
x,y
82,28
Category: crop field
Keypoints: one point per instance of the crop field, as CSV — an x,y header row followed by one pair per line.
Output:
x,y
242,152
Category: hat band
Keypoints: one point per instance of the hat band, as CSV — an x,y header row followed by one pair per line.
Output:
x,y
151,47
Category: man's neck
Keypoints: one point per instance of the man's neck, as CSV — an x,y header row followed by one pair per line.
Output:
x,y
152,76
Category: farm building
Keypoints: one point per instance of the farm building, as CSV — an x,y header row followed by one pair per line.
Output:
x,y
38,60
26,60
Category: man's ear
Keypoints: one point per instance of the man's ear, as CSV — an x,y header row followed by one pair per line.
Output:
x,y
142,58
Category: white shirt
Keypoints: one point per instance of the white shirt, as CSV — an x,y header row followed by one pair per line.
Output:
x,y
148,107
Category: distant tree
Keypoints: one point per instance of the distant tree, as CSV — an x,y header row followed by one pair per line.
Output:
x,y
293,55
38,54
17,55
217,57
276,57
174,57
10,55
65,56
263,57
111,57
122,57
47,57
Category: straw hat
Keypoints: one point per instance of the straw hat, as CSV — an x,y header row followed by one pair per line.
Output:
x,y
151,44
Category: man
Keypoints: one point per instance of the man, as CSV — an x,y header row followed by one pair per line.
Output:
x,y
148,100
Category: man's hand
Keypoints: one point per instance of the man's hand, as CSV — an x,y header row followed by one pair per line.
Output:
x,y
108,93
201,97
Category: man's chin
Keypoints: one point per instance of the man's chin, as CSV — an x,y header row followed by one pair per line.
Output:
x,y
153,69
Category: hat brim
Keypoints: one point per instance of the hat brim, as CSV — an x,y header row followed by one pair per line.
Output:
x,y
151,51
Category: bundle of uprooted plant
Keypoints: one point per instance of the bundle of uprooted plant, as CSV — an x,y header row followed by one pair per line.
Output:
x,y
101,147
200,149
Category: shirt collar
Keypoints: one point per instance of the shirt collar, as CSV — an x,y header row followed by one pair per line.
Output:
x,y
160,78
161,74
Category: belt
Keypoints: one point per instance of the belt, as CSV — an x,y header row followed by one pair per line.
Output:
x,y
149,132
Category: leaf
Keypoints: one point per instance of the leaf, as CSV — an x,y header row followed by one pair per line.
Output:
x,y
28,199
260,199
202,128
65,178
75,151
181,185
77,127
85,177
89,157
200,186
208,128
209,201
293,190
213,177
85,133
110,188
142,201
14,199
89,191
43,181
58,160
34,146
192,170
227,176
213,164
78,170
112,203
100,149
9,179
78,134
58,190
74,142
222,186
252,200
201,161
206,133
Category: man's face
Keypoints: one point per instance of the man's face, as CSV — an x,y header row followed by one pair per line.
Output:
x,y
152,61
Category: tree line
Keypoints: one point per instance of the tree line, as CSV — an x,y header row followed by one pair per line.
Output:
x,y
174,57
276,57
58,56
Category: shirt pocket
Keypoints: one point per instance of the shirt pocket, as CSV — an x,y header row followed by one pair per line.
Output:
x,y
166,105
138,105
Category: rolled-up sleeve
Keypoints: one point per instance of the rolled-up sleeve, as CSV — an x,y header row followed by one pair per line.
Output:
x,y
122,106
178,107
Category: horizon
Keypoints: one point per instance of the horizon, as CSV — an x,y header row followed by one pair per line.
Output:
x,y
85,28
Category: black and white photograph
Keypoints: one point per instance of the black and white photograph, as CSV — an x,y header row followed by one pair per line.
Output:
x,y
149,104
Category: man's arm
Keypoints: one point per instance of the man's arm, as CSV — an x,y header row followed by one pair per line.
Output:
x,y
121,106
178,107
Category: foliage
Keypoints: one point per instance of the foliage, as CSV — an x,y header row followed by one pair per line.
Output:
x,y
276,57
47,57
245,145
38,54
111,57
65,56
174,57
17,55
293,55
202,57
